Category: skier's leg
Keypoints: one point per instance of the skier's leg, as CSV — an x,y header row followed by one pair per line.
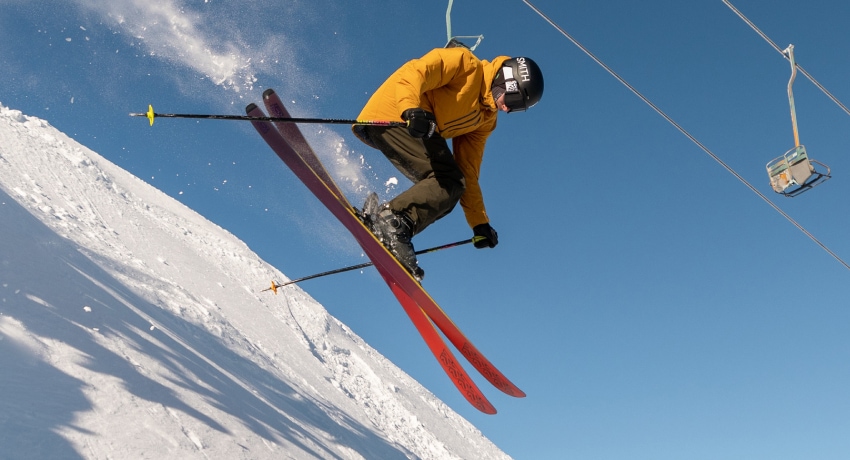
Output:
x,y
437,181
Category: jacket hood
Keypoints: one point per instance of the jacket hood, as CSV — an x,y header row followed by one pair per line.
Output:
x,y
490,69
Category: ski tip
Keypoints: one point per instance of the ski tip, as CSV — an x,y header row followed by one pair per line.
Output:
x,y
483,405
250,107
267,93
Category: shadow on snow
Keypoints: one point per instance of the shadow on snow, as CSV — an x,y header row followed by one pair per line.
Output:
x,y
45,281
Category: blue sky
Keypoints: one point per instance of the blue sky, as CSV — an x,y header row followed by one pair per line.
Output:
x,y
649,304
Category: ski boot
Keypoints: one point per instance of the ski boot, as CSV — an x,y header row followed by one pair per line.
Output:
x,y
370,209
394,231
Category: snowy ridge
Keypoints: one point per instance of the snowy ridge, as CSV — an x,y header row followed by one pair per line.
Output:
x,y
131,326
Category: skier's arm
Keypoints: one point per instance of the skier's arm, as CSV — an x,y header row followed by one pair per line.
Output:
x,y
469,152
433,70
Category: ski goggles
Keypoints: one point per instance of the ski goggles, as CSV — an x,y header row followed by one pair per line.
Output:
x,y
514,97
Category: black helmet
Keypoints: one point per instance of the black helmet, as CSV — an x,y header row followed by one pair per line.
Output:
x,y
523,83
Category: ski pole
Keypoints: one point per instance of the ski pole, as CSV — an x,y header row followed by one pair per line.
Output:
x,y
151,115
274,287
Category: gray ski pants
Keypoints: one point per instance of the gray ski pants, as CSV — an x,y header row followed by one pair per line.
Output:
x,y
438,183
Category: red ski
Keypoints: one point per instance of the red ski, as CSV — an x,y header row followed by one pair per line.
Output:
x,y
289,144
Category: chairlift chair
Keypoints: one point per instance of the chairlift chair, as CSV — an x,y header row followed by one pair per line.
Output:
x,y
793,173
454,41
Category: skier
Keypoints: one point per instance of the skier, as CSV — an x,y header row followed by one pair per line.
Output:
x,y
446,94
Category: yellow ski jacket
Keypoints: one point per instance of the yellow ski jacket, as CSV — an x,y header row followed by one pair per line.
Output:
x,y
454,85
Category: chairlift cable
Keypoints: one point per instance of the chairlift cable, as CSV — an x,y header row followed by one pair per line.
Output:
x,y
687,134
782,52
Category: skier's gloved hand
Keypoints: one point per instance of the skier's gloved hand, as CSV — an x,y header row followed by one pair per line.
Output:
x,y
420,123
485,236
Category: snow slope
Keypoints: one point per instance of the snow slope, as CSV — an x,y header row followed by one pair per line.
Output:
x,y
131,327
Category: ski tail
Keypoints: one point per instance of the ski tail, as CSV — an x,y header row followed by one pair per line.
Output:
x,y
295,138
292,160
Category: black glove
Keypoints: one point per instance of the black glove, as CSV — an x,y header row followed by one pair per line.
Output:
x,y
420,122
485,236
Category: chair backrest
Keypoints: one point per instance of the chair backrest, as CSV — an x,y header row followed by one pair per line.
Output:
x,y
792,168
